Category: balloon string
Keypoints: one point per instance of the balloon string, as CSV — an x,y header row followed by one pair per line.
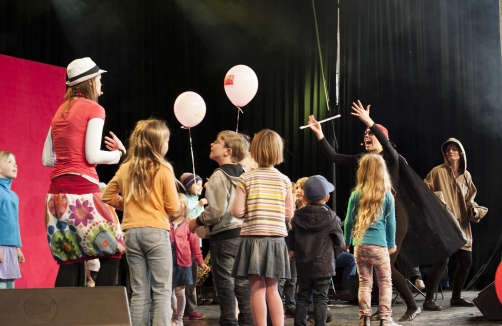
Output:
x,y
191,151
238,110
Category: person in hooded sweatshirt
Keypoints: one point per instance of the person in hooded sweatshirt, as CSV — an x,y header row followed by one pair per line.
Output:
x,y
453,184
315,241
223,228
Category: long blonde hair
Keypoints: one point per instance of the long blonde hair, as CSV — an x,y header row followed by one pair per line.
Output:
x,y
373,180
145,157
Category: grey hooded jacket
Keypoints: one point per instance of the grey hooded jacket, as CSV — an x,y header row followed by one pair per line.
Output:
x,y
220,195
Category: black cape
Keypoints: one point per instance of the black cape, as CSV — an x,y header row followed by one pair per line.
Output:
x,y
433,232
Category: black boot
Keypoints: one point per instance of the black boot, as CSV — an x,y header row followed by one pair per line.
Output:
x,y
461,303
430,305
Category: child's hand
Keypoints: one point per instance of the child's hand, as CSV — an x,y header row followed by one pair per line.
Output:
x,y
203,202
20,255
1,256
393,250
346,248
292,255
205,267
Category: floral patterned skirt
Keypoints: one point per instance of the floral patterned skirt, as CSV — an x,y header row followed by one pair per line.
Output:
x,y
81,226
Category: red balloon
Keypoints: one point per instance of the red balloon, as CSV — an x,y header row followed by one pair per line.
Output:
x,y
498,282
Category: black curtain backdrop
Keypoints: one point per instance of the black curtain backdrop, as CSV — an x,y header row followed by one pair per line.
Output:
x,y
430,69
155,50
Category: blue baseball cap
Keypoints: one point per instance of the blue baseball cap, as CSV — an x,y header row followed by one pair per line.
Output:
x,y
317,187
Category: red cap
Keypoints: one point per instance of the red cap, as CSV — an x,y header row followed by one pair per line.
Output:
x,y
382,128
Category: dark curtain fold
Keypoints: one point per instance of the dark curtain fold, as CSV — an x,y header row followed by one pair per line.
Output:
x,y
430,70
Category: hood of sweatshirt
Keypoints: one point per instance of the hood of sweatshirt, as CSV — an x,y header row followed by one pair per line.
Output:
x,y
313,218
463,156
232,172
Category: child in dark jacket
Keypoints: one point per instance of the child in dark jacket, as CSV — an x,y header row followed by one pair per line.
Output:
x,y
315,239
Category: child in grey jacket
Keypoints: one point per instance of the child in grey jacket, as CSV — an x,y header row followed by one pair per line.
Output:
x,y
223,228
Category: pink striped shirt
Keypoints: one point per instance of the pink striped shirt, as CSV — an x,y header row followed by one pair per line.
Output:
x,y
264,200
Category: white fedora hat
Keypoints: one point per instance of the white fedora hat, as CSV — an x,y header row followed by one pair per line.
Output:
x,y
80,70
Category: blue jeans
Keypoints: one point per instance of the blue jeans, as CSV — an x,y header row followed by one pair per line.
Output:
x,y
317,289
223,254
150,261
347,261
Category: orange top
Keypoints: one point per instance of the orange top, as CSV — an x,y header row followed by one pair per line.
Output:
x,y
154,213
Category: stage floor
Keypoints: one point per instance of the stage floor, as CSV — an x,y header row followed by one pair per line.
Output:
x,y
347,314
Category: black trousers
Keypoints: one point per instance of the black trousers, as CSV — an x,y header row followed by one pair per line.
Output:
x,y
74,274
464,262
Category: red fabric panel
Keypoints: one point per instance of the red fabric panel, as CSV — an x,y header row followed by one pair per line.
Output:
x,y
30,93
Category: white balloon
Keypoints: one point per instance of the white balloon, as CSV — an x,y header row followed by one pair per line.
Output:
x,y
241,85
189,109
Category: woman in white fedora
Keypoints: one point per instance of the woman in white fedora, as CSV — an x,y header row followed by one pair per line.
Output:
x,y
80,226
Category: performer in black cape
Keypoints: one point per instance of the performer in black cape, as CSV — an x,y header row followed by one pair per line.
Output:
x,y
432,234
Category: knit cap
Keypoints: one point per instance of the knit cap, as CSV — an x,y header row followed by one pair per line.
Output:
x,y
188,180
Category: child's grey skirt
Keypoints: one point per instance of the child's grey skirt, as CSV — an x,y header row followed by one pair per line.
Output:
x,y
264,256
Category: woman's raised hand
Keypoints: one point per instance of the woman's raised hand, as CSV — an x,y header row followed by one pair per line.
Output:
x,y
363,114
114,143
316,127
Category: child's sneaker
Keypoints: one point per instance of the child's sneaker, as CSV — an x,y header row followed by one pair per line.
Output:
x,y
329,316
388,322
419,284
194,316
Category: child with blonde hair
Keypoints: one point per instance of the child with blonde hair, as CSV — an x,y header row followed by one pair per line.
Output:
x,y
287,287
264,200
10,236
144,189
185,246
299,201
370,225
